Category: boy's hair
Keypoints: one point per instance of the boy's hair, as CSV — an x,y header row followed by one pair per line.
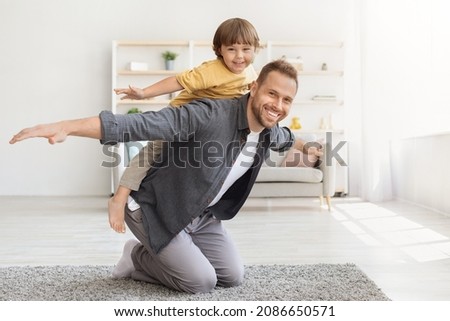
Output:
x,y
280,65
235,30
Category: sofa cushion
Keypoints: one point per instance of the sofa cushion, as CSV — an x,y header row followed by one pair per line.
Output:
x,y
289,174
275,159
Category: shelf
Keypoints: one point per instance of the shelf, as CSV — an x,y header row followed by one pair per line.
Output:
x,y
336,73
174,72
155,101
152,101
305,44
317,131
148,73
138,43
202,43
264,44
317,102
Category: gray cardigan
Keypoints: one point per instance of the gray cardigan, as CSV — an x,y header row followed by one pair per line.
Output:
x,y
202,141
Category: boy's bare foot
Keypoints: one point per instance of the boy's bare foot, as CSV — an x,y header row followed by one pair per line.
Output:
x,y
116,214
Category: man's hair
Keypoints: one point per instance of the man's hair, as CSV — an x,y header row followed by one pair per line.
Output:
x,y
280,65
235,30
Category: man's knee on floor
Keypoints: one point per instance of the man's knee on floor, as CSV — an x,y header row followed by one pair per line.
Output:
x,y
232,277
203,283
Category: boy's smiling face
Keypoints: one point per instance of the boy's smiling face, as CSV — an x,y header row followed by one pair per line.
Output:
x,y
237,57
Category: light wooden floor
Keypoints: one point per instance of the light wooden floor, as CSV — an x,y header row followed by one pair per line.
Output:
x,y
405,249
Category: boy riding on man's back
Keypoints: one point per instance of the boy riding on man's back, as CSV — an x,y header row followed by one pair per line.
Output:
x,y
229,75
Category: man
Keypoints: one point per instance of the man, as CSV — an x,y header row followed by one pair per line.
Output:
x,y
209,164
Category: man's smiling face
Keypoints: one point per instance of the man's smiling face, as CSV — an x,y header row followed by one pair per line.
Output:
x,y
271,100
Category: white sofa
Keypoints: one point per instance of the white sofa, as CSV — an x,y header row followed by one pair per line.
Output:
x,y
275,180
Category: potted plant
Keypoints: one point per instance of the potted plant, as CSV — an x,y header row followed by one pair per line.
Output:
x,y
134,110
169,58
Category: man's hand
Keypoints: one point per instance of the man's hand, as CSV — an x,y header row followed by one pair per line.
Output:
x,y
55,133
313,148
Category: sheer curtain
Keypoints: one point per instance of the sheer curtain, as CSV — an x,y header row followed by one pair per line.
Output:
x,y
395,68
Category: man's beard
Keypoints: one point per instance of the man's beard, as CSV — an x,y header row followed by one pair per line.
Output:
x,y
258,112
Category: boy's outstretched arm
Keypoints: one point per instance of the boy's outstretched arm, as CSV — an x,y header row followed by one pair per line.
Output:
x,y
58,132
165,86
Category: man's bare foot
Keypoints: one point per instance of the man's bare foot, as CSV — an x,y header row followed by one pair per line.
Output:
x,y
116,214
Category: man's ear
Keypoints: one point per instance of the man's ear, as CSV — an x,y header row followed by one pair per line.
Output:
x,y
253,88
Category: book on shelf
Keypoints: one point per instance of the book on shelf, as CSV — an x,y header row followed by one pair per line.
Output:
x,y
324,98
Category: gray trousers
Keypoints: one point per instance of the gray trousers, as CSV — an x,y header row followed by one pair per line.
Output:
x,y
195,261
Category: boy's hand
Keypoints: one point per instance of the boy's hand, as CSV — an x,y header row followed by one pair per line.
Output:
x,y
130,92
55,133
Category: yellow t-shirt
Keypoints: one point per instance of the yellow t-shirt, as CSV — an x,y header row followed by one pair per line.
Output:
x,y
212,79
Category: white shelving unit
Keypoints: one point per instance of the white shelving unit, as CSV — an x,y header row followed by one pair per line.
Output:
x,y
316,116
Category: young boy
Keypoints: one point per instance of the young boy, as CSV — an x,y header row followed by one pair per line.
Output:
x,y
230,75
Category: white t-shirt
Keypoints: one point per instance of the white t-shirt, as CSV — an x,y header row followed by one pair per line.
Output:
x,y
242,164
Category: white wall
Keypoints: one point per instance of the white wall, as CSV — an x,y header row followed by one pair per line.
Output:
x,y
420,172
55,63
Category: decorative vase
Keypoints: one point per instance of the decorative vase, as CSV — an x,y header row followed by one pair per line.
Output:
x,y
169,64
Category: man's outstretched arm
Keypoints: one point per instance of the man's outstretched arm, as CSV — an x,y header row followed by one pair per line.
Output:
x,y
58,132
